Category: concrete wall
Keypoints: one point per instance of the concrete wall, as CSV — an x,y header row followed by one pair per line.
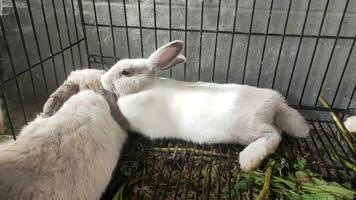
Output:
x,y
241,40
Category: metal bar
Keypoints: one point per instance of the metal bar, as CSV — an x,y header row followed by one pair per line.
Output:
x,y
7,111
59,37
77,34
67,27
37,45
343,72
43,60
248,42
332,52
216,41
127,31
155,22
201,37
224,31
186,160
188,183
326,149
49,42
80,4
319,151
161,166
98,34
333,148
281,46
218,171
335,138
265,43
314,51
142,172
202,164
352,95
112,30
170,30
140,25
171,170
298,50
185,38
209,176
232,42
7,47
25,50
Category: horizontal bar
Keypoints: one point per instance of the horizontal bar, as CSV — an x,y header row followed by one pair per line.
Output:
x,y
43,60
221,31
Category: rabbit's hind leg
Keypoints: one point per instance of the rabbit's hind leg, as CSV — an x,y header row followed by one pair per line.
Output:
x,y
252,156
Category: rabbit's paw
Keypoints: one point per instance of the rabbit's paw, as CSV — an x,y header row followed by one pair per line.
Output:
x,y
252,156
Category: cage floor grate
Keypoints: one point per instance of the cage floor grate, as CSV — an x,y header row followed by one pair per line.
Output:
x,y
173,169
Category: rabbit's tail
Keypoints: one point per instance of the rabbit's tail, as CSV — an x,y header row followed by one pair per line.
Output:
x,y
291,121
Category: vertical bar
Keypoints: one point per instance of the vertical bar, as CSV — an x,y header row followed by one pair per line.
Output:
x,y
186,159
5,105
326,149
170,29
160,168
80,3
98,34
127,31
201,36
59,37
332,52
248,41
299,45
216,41
282,42
67,26
318,151
350,100
189,182
140,25
77,35
314,51
335,138
155,22
265,43
202,164
343,72
7,109
112,31
7,47
185,38
232,43
49,42
25,50
37,45
168,184
332,146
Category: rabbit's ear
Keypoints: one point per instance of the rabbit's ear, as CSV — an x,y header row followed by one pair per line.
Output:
x,y
180,59
57,98
163,57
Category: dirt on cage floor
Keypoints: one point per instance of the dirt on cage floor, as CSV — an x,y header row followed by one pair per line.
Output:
x,y
171,169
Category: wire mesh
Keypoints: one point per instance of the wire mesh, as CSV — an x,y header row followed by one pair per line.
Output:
x,y
170,169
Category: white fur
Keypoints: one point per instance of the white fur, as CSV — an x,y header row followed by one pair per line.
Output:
x,y
70,155
202,112
350,124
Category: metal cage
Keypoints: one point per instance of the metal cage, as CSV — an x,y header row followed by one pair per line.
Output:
x,y
304,49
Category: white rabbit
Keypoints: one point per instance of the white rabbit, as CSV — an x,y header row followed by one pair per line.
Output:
x,y
70,155
201,112
350,124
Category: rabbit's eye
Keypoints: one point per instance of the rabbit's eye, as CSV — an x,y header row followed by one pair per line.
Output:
x,y
125,72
